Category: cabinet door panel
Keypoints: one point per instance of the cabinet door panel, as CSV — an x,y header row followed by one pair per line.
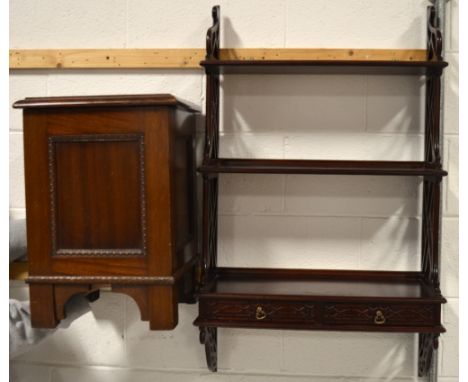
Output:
x,y
97,194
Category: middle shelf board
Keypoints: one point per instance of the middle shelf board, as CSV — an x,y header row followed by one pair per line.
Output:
x,y
323,67
338,167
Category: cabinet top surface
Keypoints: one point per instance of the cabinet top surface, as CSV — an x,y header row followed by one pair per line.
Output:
x,y
103,101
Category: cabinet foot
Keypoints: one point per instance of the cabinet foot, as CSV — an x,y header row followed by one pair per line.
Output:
x,y
428,343
42,305
208,337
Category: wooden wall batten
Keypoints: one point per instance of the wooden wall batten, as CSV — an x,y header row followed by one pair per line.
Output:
x,y
188,58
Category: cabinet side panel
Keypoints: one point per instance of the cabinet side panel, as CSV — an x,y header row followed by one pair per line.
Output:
x,y
160,242
183,180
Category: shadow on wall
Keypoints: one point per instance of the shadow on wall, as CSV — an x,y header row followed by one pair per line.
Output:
x,y
320,242
417,26
320,221
94,338
323,117
229,37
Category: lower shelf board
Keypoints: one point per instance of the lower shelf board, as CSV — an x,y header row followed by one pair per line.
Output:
x,y
312,166
321,300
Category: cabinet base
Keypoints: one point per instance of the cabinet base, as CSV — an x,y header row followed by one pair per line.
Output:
x,y
157,304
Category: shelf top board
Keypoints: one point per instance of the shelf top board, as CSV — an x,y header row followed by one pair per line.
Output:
x,y
103,101
321,287
353,285
323,67
339,167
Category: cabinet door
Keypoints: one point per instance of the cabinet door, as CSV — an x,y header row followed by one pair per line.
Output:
x,y
97,191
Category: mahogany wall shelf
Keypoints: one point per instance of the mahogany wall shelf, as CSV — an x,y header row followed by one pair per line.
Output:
x,y
323,299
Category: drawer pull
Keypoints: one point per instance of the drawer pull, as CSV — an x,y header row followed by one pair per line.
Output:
x,y
379,318
260,314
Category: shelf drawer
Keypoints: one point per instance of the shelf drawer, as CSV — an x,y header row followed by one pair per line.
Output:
x,y
258,311
319,315
380,315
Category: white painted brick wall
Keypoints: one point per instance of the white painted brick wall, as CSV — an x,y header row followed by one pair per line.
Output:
x,y
451,95
449,342
449,278
87,24
95,338
28,83
266,220
16,170
454,25
361,24
344,196
350,354
289,241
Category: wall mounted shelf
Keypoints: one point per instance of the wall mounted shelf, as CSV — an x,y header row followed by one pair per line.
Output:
x,y
323,299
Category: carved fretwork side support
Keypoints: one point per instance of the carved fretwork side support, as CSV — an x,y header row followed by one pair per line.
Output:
x,y
431,188
432,118
434,35
208,337
430,232
210,185
211,150
212,91
428,344
212,118
210,228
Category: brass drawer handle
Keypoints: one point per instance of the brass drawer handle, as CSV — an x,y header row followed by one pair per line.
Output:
x,y
379,318
260,314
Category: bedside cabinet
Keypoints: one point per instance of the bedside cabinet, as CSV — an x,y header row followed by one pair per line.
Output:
x,y
110,202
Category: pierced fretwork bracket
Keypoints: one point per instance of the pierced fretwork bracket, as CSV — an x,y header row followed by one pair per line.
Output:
x,y
210,229
212,35
428,344
434,35
208,337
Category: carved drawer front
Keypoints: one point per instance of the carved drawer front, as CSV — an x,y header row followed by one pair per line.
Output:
x,y
259,311
379,315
